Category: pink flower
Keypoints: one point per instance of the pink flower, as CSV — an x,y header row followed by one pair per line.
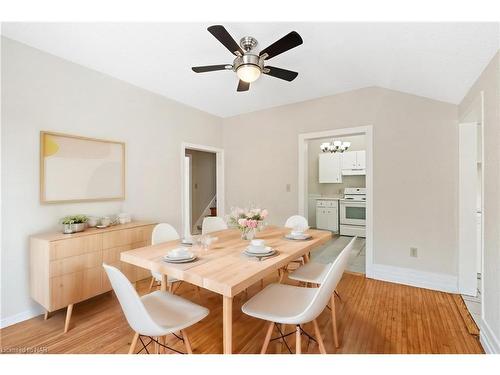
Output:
x,y
242,222
252,223
264,213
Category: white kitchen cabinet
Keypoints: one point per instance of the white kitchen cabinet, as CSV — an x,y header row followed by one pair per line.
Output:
x,y
330,168
327,215
354,162
361,159
349,160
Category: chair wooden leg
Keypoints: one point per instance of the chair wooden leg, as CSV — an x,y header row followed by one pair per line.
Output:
x,y
46,315
69,311
133,344
334,321
151,284
187,343
170,287
268,338
298,343
317,333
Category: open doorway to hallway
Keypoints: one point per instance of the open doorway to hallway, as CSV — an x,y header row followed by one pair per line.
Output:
x,y
201,172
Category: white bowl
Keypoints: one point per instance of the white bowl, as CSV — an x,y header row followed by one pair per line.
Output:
x,y
180,252
258,243
258,249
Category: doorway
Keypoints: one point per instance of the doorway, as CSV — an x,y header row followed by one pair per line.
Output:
x,y
202,192
307,195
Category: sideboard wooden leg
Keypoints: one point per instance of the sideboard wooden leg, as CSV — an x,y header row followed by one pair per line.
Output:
x,y
69,311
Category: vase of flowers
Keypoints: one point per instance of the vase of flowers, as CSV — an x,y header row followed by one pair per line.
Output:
x,y
248,221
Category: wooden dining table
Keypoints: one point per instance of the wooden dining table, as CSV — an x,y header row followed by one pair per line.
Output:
x,y
223,268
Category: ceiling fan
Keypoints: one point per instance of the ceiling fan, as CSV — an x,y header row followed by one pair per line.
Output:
x,y
248,64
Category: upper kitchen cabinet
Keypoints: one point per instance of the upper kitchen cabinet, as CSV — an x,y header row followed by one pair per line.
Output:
x,y
330,168
354,163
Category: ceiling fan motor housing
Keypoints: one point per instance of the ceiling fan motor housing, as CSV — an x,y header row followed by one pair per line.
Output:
x,y
248,59
248,43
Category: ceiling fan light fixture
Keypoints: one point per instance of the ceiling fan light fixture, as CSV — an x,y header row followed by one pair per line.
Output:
x,y
248,72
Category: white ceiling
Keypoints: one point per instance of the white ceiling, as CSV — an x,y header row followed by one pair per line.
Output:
x,y
436,60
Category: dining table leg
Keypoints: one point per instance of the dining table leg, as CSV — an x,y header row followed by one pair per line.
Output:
x,y
227,324
164,282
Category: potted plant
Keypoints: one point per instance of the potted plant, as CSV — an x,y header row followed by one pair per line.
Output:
x,y
74,223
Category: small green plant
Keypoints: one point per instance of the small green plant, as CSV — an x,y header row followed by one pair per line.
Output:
x,y
74,219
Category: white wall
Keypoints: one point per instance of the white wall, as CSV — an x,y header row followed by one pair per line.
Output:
x,y
489,83
43,92
415,168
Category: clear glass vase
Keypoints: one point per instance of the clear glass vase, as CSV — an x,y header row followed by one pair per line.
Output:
x,y
248,234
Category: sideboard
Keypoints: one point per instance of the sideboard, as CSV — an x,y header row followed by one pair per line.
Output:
x,y
67,268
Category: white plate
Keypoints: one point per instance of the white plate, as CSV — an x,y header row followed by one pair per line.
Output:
x,y
259,255
180,257
169,260
258,250
301,237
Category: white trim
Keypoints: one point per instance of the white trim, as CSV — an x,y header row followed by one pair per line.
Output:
x,y
467,208
302,181
219,152
20,317
490,343
421,279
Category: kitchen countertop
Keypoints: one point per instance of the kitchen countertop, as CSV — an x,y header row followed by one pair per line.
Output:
x,y
329,198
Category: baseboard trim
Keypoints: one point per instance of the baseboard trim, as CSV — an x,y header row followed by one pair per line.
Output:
x,y
20,317
490,343
421,279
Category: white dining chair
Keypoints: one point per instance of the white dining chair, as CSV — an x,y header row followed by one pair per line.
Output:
x,y
314,273
163,232
288,304
297,222
154,315
212,224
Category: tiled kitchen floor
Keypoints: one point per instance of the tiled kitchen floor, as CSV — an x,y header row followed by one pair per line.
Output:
x,y
328,252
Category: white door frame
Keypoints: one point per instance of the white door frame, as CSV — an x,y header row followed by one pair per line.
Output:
x,y
303,172
219,185
467,217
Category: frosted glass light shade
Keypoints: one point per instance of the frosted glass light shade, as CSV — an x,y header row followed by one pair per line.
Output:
x,y
248,73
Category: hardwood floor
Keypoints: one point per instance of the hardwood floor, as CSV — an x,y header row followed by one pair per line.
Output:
x,y
373,317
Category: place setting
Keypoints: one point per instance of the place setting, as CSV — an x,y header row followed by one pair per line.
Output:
x,y
298,234
180,255
258,250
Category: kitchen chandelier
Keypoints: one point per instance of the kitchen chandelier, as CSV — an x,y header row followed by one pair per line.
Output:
x,y
335,146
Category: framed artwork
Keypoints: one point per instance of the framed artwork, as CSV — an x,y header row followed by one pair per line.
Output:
x,y
80,169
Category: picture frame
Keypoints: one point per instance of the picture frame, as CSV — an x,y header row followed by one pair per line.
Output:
x,y
80,169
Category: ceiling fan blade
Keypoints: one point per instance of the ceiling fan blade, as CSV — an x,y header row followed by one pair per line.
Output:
x,y
225,38
287,75
243,86
289,41
210,68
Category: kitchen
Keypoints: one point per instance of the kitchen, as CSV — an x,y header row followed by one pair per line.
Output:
x,y
337,193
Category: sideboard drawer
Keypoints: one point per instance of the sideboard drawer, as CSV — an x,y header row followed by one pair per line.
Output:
x,y
141,234
75,246
75,287
74,264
